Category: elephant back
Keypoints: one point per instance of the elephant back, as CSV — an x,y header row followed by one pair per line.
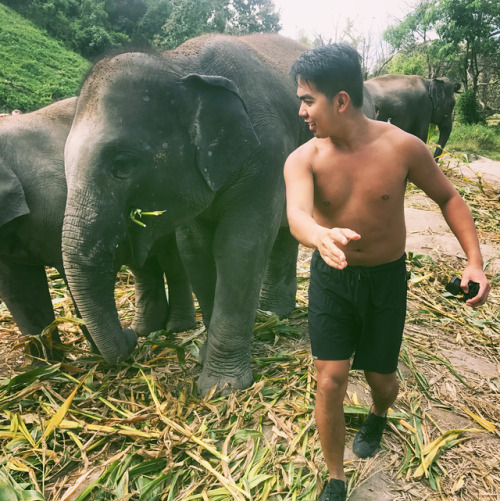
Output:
x,y
400,99
278,51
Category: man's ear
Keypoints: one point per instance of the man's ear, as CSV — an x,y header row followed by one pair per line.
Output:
x,y
343,100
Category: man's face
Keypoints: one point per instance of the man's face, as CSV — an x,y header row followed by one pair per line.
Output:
x,y
316,109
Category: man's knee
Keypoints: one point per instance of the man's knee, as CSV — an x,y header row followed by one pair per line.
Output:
x,y
331,385
385,385
332,376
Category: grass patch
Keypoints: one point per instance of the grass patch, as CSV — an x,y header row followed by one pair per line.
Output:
x,y
479,139
35,70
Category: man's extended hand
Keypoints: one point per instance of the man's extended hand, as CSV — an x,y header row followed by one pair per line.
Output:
x,y
330,242
475,274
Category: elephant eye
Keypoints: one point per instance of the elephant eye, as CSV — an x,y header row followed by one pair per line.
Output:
x,y
123,165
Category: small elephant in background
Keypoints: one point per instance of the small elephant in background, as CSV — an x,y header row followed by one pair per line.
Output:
x,y
412,103
32,201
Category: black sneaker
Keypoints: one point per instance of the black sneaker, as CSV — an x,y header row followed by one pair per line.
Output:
x,y
334,491
367,440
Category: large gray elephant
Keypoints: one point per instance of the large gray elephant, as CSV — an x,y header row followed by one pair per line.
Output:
x,y
202,133
33,199
412,103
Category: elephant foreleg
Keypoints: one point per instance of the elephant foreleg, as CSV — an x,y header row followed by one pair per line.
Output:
x,y
181,311
227,358
25,291
151,308
240,253
195,243
279,287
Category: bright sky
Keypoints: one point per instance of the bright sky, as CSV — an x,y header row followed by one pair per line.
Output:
x,y
328,17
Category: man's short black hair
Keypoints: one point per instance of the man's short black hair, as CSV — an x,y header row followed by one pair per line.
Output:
x,y
332,68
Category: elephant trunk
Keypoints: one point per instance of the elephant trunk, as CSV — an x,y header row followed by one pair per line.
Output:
x,y
90,237
444,135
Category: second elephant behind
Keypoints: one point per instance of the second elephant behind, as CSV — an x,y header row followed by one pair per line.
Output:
x,y
412,103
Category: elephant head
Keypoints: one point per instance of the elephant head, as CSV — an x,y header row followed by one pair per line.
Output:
x,y
441,93
147,135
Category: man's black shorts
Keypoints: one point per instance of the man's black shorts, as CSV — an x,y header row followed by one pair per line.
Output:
x,y
358,310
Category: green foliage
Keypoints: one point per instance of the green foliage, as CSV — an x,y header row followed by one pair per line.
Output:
x,y
152,21
472,26
415,64
467,109
35,69
10,490
125,15
413,30
190,18
252,16
91,27
85,26
478,139
459,39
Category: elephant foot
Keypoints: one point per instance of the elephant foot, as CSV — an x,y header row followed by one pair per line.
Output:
x,y
184,321
282,306
130,342
181,323
144,327
226,383
123,349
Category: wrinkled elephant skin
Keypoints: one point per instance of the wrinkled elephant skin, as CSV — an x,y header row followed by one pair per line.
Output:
x,y
201,133
412,103
33,200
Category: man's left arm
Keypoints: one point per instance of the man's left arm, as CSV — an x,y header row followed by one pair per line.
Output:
x,y
425,174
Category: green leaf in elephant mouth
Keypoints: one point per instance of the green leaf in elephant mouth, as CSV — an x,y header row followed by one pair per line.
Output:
x,y
136,214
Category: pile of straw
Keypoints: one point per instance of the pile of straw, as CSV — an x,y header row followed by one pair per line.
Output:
x,y
81,429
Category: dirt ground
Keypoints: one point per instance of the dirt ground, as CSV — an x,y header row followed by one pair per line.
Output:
x,y
427,233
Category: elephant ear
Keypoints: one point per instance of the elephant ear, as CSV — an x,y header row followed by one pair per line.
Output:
x,y
12,200
220,128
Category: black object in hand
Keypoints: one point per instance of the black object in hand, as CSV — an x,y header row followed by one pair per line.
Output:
x,y
454,288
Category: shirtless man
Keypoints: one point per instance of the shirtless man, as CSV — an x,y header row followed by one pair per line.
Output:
x,y
345,198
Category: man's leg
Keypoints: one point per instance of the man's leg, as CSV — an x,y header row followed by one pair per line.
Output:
x,y
331,380
384,390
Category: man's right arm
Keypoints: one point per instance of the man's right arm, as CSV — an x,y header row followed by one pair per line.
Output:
x,y
300,206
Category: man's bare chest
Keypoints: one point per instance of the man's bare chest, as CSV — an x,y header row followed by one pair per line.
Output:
x,y
369,186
